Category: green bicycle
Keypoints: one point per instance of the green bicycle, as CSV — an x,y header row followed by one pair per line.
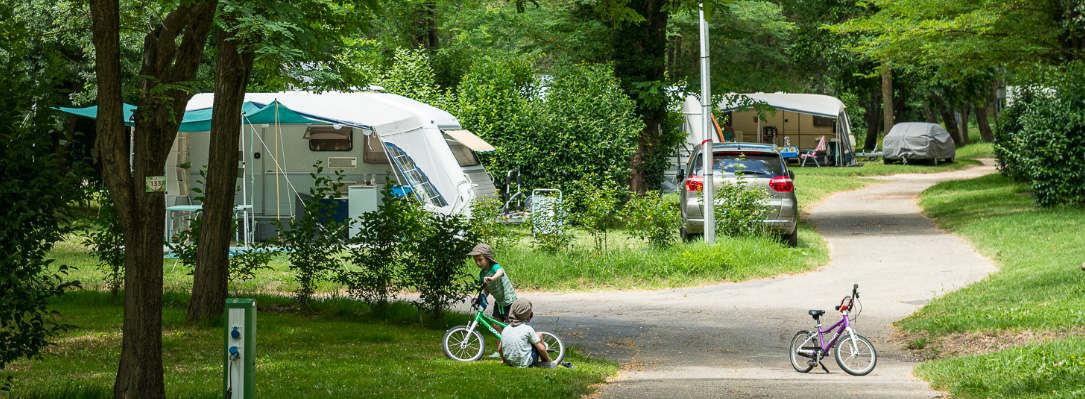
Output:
x,y
465,343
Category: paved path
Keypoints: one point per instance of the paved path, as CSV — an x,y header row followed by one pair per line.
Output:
x,y
731,340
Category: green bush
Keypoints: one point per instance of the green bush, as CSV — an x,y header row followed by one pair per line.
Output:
x,y
1044,140
583,124
740,208
436,269
652,218
314,240
379,254
597,209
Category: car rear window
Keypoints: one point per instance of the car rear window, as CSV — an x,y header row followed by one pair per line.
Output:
x,y
748,163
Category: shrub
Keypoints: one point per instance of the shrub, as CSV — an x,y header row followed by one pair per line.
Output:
x,y
1044,141
739,209
313,239
379,253
650,217
436,270
597,205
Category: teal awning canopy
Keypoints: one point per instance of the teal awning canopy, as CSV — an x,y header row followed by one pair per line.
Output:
x,y
199,120
92,112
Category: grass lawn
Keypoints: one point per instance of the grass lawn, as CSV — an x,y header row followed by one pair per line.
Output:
x,y
333,352
1039,292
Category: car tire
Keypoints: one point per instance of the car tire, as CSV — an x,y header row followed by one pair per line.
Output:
x,y
949,160
792,240
934,161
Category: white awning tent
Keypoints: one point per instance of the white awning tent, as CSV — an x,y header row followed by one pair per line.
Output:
x,y
809,104
410,130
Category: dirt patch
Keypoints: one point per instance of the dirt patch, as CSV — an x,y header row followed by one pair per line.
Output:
x,y
923,347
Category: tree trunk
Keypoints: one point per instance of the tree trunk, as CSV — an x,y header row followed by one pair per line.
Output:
x,y
928,114
964,123
951,126
986,134
211,279
872,117
887,100
165,62
640,57
985,126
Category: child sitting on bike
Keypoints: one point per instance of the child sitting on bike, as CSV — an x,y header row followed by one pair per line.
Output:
x,y
520,345
494,280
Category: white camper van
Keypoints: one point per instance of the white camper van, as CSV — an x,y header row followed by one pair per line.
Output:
x,y
370,137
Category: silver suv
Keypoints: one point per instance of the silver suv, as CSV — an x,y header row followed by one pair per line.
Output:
x,y
761,166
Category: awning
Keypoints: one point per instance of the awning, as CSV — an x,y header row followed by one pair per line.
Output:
x,y
199,120
470,140
92,112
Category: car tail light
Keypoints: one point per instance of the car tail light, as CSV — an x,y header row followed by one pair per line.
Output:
x,y
694,183
781,184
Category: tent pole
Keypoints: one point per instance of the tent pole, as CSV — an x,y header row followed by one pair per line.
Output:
x,y
244,188
278,202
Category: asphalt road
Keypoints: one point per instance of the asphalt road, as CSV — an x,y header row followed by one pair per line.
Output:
x,y
731,340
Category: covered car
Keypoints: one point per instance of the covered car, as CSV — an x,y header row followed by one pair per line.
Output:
x,y
918,141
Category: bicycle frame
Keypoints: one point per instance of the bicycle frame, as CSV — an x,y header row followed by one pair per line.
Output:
x,y
483,319
841,326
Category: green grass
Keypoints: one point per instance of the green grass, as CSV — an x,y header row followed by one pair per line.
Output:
x,y
1040,288
336,351
1040,285
628,264
1052,370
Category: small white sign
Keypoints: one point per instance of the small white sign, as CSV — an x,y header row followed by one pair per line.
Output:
x,y
156,184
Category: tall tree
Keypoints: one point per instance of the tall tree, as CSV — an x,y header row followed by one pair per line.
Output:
x,y
640,64
280,38
172,50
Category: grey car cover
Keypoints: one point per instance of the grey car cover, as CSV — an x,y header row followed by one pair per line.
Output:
x,y
918,140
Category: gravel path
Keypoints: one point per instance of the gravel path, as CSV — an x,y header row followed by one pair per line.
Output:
x,y
731,340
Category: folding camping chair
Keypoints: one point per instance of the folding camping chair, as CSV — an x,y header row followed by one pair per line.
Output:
x,y
812,154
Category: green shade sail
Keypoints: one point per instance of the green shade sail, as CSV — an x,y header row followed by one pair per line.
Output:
x,y
199,120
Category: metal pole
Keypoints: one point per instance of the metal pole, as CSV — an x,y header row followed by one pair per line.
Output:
x,y
707,144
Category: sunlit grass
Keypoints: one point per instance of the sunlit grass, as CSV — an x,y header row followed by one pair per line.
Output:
x,y
1040,288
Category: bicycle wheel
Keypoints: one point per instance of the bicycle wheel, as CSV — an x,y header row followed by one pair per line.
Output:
x,y
555,347
802,351
462,344
856,355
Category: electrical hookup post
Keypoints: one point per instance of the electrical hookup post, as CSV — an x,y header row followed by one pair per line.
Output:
x,y
239,368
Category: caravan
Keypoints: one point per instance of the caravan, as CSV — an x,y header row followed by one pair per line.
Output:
x,y
370,137
799,122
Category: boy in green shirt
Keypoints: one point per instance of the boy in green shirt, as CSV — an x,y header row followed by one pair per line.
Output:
x,y
494,280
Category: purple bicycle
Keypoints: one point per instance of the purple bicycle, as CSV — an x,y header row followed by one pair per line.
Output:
x,y
854,353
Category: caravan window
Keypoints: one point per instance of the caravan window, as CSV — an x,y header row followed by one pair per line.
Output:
x,y
418,180
465,156
374,150
328,138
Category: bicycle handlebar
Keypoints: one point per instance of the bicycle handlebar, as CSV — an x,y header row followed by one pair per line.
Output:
x,y
849,299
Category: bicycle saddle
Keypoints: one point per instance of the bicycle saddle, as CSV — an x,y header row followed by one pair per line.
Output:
x,y
816,313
